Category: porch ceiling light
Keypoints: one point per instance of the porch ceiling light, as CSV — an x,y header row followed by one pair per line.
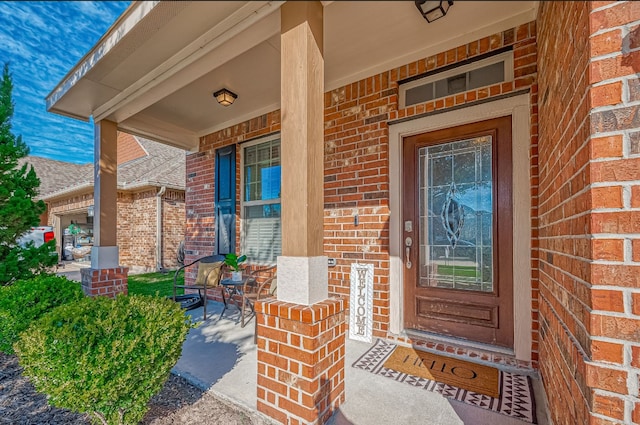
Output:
x,y
432,10
225,97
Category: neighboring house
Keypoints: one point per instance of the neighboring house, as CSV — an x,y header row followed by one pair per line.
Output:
x,y
150,191
485,164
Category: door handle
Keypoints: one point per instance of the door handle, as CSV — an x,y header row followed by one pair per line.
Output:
x,y
407,243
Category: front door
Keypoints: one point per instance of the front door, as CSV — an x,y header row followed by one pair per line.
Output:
x,y
457,227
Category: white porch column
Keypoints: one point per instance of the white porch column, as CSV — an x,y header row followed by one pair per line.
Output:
x,y
105,277
302,268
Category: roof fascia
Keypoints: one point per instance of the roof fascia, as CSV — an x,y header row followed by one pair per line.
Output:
x,y
141,94
73,190
121,27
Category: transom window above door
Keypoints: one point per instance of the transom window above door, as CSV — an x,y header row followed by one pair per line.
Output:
x,y
261,230
493,69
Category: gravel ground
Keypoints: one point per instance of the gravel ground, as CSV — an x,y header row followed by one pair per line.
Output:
x,y
178,403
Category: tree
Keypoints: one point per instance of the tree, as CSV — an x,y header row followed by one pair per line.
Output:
x,y
18,210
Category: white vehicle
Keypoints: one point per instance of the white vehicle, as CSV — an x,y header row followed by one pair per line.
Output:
x,y
39,235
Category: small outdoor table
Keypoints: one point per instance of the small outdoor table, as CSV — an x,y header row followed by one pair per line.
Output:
x,y
232,288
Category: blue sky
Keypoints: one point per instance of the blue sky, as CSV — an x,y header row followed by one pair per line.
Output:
x,y
42,41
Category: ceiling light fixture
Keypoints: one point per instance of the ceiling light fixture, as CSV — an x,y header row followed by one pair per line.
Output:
x,y
432,10
225,97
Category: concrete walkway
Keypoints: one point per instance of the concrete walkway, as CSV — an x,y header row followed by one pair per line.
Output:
x,y
220,356
71,269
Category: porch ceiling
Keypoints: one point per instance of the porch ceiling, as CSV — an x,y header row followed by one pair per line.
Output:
x,y
155,70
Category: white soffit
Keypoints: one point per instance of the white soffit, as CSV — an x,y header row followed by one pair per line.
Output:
x,y
231,37
366,38
155,70
149,43
254,76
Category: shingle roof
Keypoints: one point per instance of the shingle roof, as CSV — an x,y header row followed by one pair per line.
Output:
x,y
162,166
57,175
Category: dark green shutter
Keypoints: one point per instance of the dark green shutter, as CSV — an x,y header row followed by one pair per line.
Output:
x,y
225,200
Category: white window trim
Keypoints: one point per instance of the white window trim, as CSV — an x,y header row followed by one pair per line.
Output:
x,y
507,57
244,203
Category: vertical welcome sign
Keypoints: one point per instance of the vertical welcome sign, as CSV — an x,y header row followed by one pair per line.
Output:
x,y
361,302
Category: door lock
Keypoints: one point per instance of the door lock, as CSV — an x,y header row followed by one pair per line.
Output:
x,y
407,243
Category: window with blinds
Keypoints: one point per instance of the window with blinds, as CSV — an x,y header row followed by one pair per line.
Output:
x,y
261,236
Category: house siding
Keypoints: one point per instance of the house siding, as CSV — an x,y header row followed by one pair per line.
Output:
x,y
129,148
356,160
588,219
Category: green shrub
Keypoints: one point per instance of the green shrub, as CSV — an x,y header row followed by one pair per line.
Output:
x,y
27,300
103,356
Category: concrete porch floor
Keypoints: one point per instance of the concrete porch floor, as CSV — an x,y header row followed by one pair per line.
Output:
x,y
220,356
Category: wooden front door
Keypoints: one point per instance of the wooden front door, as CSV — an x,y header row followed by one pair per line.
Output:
x,y
457,232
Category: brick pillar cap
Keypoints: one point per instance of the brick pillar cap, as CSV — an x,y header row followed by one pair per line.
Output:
x,y
303,313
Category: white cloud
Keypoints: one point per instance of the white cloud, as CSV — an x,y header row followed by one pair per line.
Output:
x,y
43,41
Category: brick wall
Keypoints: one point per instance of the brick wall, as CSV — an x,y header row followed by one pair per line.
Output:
x,y
142,214
614,220
75,202
173,223
124,224
588,273
357,167
136,225
357,153
563,225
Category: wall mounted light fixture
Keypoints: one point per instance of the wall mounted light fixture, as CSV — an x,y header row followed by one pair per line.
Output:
x,y
432,10
225,97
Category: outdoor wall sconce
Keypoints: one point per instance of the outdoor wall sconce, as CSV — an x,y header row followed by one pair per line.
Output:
x,y
90,211
225,97
432,10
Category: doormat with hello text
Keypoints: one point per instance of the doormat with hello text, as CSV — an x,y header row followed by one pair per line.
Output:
x,y
504,392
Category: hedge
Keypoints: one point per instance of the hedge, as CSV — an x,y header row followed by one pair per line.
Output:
x,y
27,300
104,356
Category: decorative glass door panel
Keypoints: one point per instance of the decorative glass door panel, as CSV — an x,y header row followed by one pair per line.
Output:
x,y
457,214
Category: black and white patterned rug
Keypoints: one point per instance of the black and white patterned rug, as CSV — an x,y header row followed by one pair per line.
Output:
x,y
516,393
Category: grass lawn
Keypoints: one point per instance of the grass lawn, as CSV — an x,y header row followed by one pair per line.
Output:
x,y
150,283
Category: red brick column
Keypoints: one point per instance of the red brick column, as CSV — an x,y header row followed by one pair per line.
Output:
x,y
300,360
104,282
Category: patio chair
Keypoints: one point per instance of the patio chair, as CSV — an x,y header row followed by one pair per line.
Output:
x,y
209,273
260,283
